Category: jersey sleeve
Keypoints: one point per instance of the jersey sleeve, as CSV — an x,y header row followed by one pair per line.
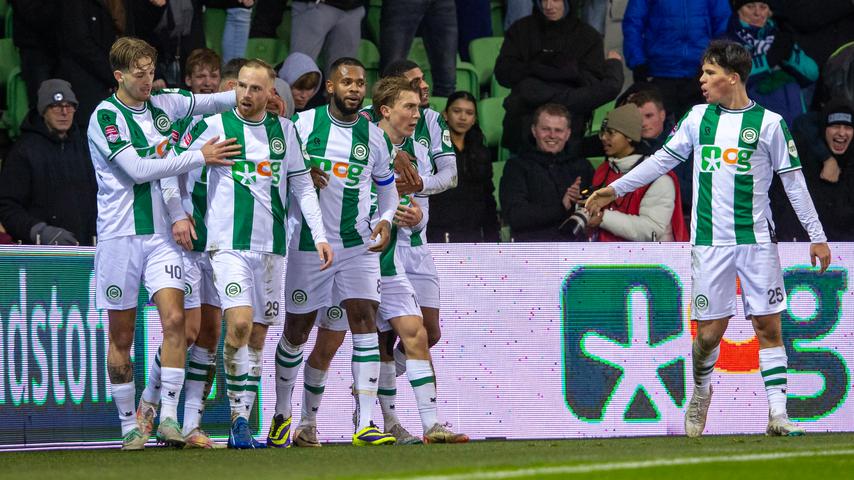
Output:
x,y
440,138
175,102
110,134
196,137
680,143
381,150
783,151
296,158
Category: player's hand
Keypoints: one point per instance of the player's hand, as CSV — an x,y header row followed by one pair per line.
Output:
x,y
319,178
403,165
822,252
324,250
406,188
408,215
830,170
276,105
572,194
217,154
383,231
184,232
600,199
158,84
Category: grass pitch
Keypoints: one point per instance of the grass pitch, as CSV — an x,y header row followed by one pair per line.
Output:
x,y
825,456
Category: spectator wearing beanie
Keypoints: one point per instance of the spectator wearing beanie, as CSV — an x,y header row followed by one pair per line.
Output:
x,y
47,186
651,213
824,145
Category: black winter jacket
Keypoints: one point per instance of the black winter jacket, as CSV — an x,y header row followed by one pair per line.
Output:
x,y
561,62
467,213
48,179
532,189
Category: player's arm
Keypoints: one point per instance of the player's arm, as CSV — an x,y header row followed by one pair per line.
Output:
x,y
787,164
209,103
387,197
443,157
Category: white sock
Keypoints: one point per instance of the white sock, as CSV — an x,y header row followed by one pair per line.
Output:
x,y
773,363
312,395
236,362
124,394
151,393
387,394
201,360
423,381
173,380
288,360
250,393
366,372
704,366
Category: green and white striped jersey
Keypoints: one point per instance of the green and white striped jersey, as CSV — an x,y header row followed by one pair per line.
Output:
x,y
125,208
736,153
246,201
404,236
194,185
431,131
352,154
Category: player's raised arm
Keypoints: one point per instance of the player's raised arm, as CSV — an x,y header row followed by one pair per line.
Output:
x,y
443,156
209,103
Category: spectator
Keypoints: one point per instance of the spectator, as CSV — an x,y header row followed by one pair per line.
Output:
x,y
175,29
552,57
203,71
540,187
228,75
780,67
235,34
466,213
47,186
283,90
86,33
437,19
36,41
302,74
266,19
649,214
473,21
824,146
334,26
664,40
822,26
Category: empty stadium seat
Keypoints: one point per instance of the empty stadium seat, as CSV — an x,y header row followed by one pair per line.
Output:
x,y
9,60
16,99
271,50
496,12
438,103
483,52
214,23
497,90
372,17
599,115
490,116
369,55
467,78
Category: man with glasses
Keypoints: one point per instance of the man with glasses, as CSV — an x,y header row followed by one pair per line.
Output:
x,y
47,185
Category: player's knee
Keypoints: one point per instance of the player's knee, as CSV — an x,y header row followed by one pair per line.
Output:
x,y
173,324
361,315
121,341
240,328
416,341
192,333
433,336
708,340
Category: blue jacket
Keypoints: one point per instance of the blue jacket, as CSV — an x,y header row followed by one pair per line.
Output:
x,y
669,36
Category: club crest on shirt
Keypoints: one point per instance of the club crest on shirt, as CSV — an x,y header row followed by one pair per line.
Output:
x,y
360,152
749,135
162,123
446,138
423,141
793,150
277,146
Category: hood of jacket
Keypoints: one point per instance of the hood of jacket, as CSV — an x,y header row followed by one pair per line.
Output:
x,y
538,9
296,65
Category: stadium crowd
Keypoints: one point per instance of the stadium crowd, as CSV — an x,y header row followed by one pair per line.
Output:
x,y
112,82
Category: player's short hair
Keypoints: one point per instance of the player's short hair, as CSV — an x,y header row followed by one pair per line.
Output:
x,y
642,97
232,69
202,58
307,81
387,91
398,68
261,64
730,56
553,109
344,61
126,53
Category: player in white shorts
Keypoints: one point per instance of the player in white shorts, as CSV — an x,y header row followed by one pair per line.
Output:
x,y
128,137
245,220
356,155
397,100
186,201
737,147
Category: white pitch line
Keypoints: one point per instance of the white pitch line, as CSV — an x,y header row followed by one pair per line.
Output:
x,y
606,467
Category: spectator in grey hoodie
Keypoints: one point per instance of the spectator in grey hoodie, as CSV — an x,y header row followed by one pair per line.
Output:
x,y
304,77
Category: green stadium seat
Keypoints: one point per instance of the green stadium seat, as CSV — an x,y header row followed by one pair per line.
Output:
x,y
7,19
438,103
271,50
490,116
467,78
16,99
483,52
497,171
9,60
497,90
214,23
496,12
418,53
372,17
596,161
284,30
369,55
599,115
